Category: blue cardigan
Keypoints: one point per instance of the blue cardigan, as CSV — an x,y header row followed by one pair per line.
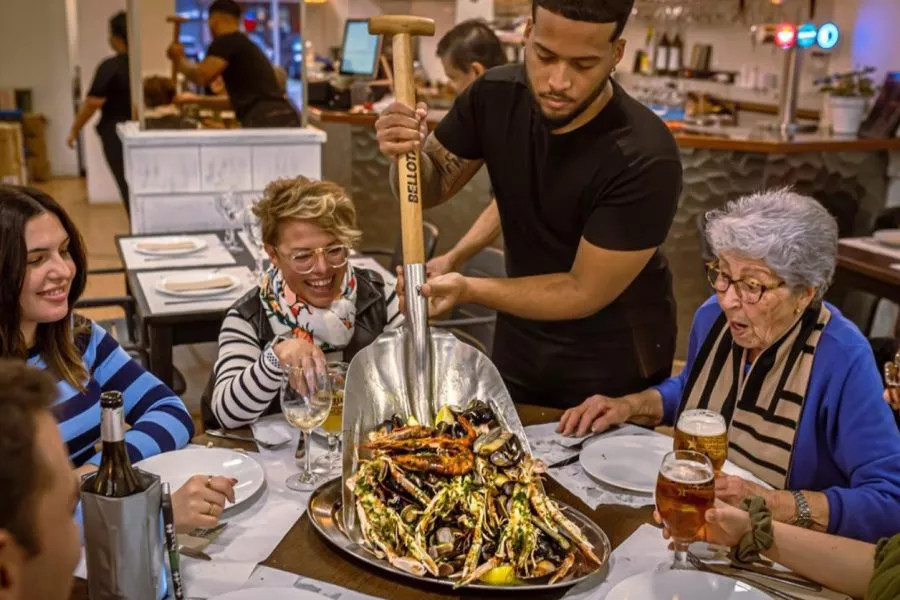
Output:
x,y
847,443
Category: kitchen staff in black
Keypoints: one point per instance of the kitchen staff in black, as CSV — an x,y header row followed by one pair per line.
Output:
x,y
249,78
110,93
587,181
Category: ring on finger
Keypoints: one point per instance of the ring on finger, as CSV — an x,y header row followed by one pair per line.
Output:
x,y
209,481
211,509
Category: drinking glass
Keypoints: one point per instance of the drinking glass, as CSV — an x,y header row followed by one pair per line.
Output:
x,y
253,231
333,461
703,431
305,402
228,206
685,490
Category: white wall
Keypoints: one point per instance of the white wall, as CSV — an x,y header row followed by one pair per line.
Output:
x,y
34,54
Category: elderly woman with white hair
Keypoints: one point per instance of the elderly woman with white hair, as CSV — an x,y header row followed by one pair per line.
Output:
x,y
795,380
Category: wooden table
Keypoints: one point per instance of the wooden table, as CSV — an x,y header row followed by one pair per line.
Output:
x,y
868,271
304,552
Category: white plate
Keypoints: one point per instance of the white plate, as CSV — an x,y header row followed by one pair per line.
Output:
x,y
191,278
180,465
270,593
630,462
888,237
199,244
683,585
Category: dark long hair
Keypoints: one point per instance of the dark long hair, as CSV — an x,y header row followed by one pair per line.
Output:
x,y
55,341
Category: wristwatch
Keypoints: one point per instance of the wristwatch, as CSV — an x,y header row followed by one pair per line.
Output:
x,y
269,355
804,516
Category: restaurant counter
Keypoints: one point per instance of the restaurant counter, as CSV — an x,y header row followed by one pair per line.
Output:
x,y
848,175
174,175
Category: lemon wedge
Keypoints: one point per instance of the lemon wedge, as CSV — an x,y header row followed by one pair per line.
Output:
x,y
445,415
500,575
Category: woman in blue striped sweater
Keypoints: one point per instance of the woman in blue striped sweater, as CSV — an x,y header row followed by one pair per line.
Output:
x,y
43,270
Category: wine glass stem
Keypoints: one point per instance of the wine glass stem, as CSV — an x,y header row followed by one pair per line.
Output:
x,y
307,467
681,560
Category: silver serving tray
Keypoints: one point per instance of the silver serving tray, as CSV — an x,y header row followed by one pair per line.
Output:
x,y
325,513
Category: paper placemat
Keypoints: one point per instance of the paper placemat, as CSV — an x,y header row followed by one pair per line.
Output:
x,y
552,447
267,577
162,304
645,550
872,245
214,254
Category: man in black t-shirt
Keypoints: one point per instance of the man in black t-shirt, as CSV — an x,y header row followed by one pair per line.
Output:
x,y
587,181
250,81
110,93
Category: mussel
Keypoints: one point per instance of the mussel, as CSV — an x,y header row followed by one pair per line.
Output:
x,y
388,425
501,447
479,413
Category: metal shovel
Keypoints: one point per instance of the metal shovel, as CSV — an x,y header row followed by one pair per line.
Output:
x,y
414,370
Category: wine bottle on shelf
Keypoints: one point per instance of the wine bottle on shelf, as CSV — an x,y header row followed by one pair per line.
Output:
x,y
116,478
661,57
676,51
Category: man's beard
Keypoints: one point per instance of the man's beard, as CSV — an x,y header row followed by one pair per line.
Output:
x,y
561,122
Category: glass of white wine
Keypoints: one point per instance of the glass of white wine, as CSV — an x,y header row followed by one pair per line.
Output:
x,y
332,461
305,402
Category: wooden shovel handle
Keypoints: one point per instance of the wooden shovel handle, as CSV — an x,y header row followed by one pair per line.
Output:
x,y
408,167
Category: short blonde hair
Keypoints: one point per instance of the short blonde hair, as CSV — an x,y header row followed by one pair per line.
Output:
x,y
322,203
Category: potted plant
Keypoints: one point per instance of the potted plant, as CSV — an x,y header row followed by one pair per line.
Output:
x,y
848,96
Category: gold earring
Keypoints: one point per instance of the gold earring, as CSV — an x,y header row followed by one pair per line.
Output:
x,y
796,310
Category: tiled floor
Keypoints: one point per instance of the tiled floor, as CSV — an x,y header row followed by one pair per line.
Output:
x,y
98,224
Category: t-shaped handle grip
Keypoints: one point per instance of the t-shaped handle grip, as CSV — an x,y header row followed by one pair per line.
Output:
x,y
403,27
394,24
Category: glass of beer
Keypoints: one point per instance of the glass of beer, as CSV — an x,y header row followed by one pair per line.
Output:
x,y
703,431
332,462
685,490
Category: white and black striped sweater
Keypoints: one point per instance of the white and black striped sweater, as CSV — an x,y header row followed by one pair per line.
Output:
x,y
246,380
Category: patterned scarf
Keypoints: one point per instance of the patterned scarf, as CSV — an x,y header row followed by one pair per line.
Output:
x,y
763,408
328,328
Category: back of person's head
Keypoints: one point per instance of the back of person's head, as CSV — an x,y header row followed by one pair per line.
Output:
x,y
591,11
471,42
38,536
158,91
322,203
20,205
229,8
281,78
118,26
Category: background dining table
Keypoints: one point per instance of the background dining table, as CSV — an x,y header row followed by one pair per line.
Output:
x,y
304,552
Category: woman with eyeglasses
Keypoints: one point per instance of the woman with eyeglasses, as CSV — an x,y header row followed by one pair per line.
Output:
x,y
312,306
795,380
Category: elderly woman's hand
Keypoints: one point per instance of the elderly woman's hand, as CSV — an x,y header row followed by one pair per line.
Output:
x,y
596,414
725,525
732,489
201,501
892,397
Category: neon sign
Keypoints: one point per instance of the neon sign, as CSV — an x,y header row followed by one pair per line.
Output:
x,y
828,36
805,35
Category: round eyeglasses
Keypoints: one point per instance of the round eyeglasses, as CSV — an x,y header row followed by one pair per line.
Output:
x,y
304,261
749,290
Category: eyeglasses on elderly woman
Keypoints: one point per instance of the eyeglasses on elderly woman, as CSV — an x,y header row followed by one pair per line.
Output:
x,y
303,262
749,289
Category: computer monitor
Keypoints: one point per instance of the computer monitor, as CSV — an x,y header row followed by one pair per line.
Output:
x,y
360,50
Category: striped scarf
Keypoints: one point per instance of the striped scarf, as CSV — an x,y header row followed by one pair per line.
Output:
x,y
762,408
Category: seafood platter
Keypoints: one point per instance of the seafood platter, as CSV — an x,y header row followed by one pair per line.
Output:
x,y
455,499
